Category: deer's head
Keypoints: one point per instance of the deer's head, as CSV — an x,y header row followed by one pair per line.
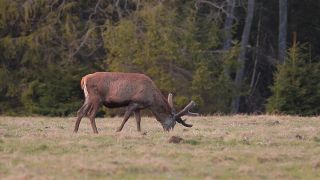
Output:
x,y
177,117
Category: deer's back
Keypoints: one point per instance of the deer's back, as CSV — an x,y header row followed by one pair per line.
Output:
x,y
119,89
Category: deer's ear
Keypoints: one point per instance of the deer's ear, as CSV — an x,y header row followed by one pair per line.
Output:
x,y
170,102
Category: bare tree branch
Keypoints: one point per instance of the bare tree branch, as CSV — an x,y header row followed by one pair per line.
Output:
x,y
116,3
83,41
221,8
95,9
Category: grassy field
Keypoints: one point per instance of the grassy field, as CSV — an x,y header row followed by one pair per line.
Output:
x,y
217,147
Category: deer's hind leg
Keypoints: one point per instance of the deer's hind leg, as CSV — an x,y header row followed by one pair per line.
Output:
x,y
80,114
95,105
89,108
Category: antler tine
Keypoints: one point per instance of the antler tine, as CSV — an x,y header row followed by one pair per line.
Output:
x,y
183,122
192,114
186,110
170,102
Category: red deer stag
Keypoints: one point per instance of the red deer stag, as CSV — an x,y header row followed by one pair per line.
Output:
x,y
136,91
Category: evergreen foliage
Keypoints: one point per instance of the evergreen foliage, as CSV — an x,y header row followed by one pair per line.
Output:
x,y
40,70
296,87
46,46
167,43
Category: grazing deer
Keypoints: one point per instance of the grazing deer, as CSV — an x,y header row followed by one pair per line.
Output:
x,y
136,91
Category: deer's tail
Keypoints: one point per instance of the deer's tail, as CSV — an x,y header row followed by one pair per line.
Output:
x,y
87,106
83,84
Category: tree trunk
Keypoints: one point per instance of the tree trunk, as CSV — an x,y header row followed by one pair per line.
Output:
x,y
228,31
228,25
282,39
242,55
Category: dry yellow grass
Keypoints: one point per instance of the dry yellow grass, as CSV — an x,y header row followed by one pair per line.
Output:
x,y
217,147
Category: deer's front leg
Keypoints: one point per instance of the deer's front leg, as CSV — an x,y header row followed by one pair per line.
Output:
x,y
131,108
138,119
126,117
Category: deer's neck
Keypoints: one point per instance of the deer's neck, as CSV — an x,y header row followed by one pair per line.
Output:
x,y
163,113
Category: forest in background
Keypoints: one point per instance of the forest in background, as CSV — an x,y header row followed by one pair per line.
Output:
x,y
230,56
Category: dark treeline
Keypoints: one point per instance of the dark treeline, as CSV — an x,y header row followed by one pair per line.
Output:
x,y
230,56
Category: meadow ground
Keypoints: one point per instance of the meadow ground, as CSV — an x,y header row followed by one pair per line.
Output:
x,y
216,147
